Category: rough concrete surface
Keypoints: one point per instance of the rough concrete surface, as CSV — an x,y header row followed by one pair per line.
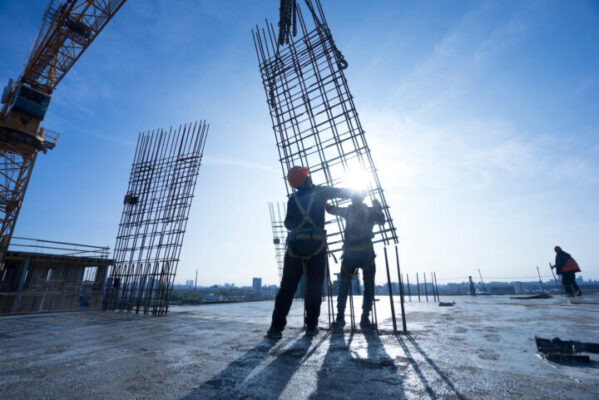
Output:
x,y
482,348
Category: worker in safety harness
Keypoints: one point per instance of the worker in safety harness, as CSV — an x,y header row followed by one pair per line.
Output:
x,y
358,252
306,251
567,267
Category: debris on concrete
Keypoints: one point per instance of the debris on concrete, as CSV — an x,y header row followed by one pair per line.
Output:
x,y
534,296
446,303
565,350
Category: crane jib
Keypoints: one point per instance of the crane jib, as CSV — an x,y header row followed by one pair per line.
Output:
x,y
66,33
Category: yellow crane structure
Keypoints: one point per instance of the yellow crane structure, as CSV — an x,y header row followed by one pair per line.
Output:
x,y
68,28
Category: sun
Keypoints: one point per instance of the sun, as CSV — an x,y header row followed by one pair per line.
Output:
x,y
356,178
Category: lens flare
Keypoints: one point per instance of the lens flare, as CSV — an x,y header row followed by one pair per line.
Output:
x,y
356,179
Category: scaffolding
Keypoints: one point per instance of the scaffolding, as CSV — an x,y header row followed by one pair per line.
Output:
x,y
155,213
314,117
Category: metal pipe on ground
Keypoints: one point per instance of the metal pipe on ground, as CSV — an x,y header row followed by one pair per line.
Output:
x,y
401,293
390,292
437,285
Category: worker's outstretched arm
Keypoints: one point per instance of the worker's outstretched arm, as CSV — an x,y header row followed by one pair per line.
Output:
x,y
329,192
560,260
334,210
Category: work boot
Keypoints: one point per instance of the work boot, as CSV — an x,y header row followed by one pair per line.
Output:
x,y
312,331
365,323
339,322
274,334
578,293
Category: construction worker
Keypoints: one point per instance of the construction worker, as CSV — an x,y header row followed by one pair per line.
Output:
x,y
306,252
358,252
567,267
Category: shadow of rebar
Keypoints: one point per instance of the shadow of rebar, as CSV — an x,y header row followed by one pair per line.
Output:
x,y
342,375
434,366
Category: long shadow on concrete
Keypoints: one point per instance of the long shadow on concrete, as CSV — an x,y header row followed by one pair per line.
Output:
x,y
270,382
431,363
343,375
235,382
226,383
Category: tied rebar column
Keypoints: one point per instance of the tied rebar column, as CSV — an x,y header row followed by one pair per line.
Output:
x,y
314,117
155,213
279,233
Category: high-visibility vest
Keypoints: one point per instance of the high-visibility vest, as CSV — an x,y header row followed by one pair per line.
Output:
x,y
571,266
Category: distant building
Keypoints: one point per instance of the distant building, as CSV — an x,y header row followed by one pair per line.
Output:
x,y
189,283
356,287
257,285
503,289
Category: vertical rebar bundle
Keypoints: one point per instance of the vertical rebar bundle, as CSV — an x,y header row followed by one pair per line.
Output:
x,y
155,213
279,233
314,117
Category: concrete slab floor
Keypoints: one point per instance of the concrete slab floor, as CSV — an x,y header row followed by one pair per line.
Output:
x,y
483,348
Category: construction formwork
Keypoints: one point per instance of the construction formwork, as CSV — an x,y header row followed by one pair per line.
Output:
x,y
314,117
155,213
50,276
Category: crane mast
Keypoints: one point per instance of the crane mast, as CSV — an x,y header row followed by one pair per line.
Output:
x,y
68,28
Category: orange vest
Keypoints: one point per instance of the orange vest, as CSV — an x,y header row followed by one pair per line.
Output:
x,y
571,266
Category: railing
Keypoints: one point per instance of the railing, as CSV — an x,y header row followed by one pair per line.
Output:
x,y
59,248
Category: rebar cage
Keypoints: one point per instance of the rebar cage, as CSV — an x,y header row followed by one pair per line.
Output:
x,y
155,213
315,120
314,117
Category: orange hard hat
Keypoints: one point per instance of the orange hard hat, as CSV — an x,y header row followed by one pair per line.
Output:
x,y
296,176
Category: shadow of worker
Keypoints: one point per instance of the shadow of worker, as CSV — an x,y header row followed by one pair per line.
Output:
x,y
227,383
344,375
272,380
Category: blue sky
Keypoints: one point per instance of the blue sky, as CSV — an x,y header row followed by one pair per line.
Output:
x,y
481,116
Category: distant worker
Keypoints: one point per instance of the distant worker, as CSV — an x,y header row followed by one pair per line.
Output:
x,y
306,251
358,252
567,267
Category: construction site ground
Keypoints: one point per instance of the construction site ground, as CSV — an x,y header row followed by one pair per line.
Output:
x,y
482,348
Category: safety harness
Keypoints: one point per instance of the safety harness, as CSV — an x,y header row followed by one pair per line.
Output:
x,y
307,239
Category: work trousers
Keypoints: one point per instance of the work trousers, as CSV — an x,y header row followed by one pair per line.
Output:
x,y
292,273
569,281
345,280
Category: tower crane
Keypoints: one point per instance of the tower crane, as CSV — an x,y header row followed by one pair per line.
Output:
x,y
68,28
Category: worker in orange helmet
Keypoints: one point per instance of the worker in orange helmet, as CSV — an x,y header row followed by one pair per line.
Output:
x,y
306,249
567,267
